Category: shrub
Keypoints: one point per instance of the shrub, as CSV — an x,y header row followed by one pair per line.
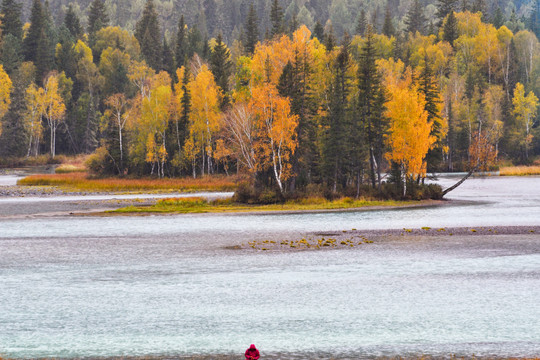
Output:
x,y
245,193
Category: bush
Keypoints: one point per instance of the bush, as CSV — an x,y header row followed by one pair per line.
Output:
x,y
100,162
245,193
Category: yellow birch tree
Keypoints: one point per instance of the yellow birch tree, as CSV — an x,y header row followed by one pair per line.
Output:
x,y
525,111
276,132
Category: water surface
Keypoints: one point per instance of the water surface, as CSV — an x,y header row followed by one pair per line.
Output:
x,y
168,285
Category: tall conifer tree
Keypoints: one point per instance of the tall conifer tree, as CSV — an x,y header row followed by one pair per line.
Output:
x,y
371,99
148,34
388,27
252,30
11,18
181,43
221,67
450,31
72,22
97,18
415,18
335,142
277,19
445,7
361,23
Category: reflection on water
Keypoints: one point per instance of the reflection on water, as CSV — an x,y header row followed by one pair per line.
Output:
x,y
166,285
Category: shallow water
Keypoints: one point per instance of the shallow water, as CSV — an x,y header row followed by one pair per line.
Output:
x,y
73,287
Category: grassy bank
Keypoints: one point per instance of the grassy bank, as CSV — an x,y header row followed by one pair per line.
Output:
x,y
200,205
79,181
520,170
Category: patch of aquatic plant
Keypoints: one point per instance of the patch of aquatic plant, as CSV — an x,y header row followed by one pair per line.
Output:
x,y
308,243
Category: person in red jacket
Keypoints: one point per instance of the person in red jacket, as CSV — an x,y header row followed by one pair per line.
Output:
x,y
252,353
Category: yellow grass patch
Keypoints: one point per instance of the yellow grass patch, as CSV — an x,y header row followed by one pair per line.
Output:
x,y
520,170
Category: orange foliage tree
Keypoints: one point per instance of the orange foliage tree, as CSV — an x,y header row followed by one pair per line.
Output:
x,y
276,132
409,139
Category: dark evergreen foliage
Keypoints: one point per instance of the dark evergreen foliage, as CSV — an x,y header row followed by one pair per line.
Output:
x,y
335,140
11,19
498,18
148,34
12,55
252,30
72,22
415,19
318,32
36,32
167,59
221,67
445,7
450,31
361,23
388,26
97,18
371,99
181,43
277,19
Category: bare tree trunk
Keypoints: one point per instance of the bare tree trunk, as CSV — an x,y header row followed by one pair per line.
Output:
x,y
453,187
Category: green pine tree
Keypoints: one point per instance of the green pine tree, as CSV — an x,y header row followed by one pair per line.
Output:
x,y
498,18
318,32
415,19
35,32
534,19
72,23
450,30
167,59
252,30
361,23
97,18
221,67
445,7
148,34
11,18
277,18
428,87
14,140
388,26
11,56
335,143
181,43
371,99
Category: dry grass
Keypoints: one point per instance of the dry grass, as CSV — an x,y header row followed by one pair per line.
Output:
x,y
520,170
79,181
68,168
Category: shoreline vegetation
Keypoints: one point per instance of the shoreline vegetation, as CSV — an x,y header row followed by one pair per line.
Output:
x,y
199,205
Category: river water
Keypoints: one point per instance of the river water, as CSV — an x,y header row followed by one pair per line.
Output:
x,y
172,286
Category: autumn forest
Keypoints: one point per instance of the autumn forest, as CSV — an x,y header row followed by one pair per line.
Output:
x,y
293,105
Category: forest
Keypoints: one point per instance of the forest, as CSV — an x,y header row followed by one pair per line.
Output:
x,y
302,95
